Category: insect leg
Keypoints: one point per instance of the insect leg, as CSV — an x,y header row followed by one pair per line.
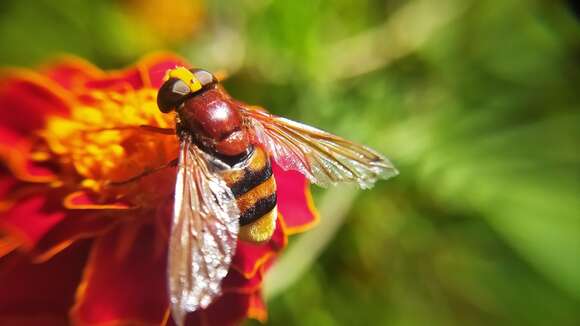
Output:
x,y
158,130
165,131
145,173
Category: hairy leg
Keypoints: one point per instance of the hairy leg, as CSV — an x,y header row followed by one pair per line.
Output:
x,y
158,130
145,173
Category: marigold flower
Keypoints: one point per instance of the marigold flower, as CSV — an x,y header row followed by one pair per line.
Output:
x,y
75,249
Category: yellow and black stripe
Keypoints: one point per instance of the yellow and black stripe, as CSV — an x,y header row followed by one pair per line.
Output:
x,y
254,186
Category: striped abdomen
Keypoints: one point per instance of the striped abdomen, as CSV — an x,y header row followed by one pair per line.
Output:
x,y
253,184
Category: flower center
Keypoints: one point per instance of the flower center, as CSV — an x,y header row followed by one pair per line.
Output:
x,y
100,141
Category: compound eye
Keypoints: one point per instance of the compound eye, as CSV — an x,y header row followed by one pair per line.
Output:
x,y
172,94
205,77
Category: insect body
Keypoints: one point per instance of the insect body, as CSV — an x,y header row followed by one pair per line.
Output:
x,y
254,187
216,126
212,121
225,189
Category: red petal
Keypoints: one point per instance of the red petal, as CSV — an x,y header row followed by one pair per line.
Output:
x,y
7,245
27,98
154,67
257,309
147,73
72,72
15,154
38,290
250,257
123,288
31,218
120,81
229,309
294,200
11,138
9,193
7,185
44,320
86,200
69,231
236,282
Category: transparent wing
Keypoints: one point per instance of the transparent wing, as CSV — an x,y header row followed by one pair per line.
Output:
x,y
203,235
325,159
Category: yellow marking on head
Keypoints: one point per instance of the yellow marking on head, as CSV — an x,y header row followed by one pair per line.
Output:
x,y
186,76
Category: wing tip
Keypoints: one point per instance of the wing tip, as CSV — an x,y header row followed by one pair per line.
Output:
x,y
178,314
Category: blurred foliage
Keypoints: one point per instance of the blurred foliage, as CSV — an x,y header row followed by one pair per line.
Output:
x,y
477,103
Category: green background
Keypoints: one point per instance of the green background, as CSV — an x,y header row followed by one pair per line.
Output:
x,y
476,102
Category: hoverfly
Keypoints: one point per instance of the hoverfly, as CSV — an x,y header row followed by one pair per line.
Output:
x,y
225,189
